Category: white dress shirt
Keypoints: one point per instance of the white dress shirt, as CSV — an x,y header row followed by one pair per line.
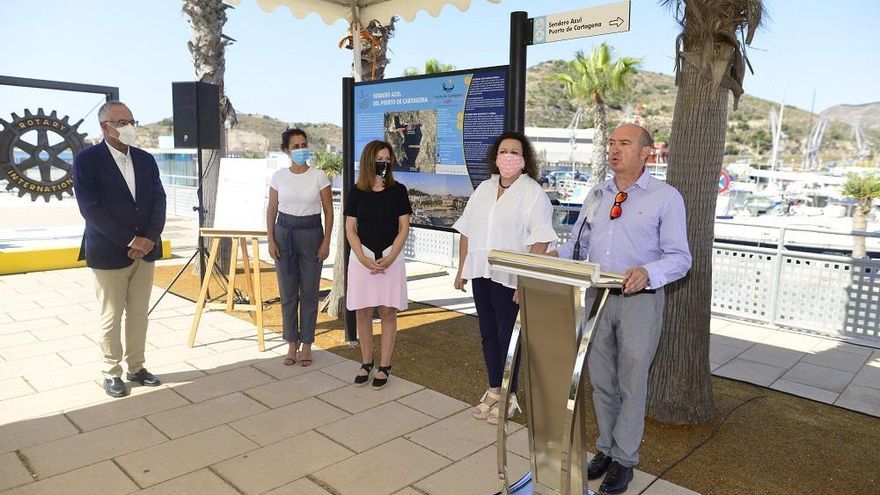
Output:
x,y
522,216
123,161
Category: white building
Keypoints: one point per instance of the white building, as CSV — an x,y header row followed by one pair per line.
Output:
x,y
554,146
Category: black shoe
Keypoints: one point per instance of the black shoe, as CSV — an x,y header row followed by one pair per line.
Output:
x,y
381,382
617,480
598,465
143,377
115,387
361,380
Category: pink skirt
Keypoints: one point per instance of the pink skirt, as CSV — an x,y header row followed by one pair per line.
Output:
x,y
368,290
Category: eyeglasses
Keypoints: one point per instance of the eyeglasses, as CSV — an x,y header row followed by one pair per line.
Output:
x,y
616,208
121,123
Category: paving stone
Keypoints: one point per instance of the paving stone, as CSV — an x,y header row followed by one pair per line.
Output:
x,y
12,472
71,375
459,436
81,482
21,367
88,448
433,403
277,424
806,391
474,475
860,398
203,415
280,463
276,368
56,346
14,387
750,371
838,359
368,473
28,326
868,376
283,392
201,481
365,430
221,384
772,355
301,486
16,339
169,460
51,401
141,402
16,435
819,377
355,399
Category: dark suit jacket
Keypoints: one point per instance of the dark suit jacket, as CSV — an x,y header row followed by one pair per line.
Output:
x,y
113,218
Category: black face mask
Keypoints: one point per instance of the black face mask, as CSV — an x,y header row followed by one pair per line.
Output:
x,y
382,168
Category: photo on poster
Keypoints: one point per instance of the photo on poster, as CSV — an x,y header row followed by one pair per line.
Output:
x,y
413,136
437,200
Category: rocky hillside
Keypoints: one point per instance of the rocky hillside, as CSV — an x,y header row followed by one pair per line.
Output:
x,y
652,97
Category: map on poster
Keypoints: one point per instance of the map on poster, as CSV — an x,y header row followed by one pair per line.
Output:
x,y
440,127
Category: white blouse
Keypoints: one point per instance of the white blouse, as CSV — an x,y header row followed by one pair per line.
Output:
x,y
522,216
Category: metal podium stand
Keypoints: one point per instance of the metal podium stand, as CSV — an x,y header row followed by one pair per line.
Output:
x,y
554,330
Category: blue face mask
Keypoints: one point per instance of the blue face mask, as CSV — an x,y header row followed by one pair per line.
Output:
x,y
300,155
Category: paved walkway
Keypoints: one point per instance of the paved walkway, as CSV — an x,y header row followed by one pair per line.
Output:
x,y
821,369
227,419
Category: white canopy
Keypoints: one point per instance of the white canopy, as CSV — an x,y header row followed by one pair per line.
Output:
x,y
381,10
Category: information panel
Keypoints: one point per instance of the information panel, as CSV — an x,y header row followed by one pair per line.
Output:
x,y
440,127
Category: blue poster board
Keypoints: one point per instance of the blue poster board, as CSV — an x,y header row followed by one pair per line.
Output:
x,y
440,127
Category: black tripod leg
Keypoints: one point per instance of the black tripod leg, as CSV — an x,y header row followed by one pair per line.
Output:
x,y
191,258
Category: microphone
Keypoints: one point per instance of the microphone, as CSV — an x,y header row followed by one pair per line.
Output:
x,y
593,200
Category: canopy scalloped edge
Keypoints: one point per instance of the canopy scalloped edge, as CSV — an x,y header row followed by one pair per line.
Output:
x,y
332,11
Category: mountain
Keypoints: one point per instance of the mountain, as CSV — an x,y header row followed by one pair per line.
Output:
x,y
868,114
651,98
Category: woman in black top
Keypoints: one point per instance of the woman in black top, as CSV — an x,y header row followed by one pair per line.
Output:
x,y
376,224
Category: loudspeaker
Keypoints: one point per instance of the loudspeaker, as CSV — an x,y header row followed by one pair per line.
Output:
x,y
196,115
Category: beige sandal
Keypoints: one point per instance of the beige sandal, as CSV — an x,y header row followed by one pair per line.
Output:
x,y
487,402
512,408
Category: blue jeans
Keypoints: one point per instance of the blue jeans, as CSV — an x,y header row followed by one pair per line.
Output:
x,y
299,274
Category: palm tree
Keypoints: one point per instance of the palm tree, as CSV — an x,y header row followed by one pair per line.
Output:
x,y
208,49
432,66
865,189
710,63
589,81
373,46
373,42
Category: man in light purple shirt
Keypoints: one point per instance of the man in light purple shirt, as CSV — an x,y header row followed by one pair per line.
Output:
x,y
635,225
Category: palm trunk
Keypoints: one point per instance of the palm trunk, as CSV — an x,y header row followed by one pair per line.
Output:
x,y
335,302
860,223
680,387
600,157
208,49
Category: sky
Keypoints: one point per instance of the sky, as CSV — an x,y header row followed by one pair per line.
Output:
x,y
291,68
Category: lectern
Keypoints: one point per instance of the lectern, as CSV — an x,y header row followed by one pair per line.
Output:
x,y
554,329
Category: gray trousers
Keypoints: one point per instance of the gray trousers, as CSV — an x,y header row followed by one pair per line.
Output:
x,y
299,274
619,359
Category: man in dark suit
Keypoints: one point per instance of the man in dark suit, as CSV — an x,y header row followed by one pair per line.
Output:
x,y
123,202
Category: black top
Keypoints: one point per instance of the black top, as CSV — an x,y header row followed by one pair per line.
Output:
x,y
377,215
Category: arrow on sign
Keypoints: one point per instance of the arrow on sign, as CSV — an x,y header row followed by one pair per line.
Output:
x,y
616,22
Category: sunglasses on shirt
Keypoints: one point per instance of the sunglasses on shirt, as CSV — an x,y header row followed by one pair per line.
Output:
x,y
617,207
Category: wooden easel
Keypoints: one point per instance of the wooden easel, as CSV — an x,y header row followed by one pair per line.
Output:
x,y
252,278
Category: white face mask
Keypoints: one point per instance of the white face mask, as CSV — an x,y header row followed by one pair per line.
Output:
x,y
127,134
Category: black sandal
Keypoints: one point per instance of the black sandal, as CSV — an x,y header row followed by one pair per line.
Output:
x,y
381,382
362,380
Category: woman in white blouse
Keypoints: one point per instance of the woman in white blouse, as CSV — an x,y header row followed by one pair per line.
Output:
x,y
298,243
510,210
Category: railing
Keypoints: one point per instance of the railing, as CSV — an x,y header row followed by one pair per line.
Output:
x,y
772,283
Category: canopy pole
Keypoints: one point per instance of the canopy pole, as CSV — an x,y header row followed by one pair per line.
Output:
x,y
356,40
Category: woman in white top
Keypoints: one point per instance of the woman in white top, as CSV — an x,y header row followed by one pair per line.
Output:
x,y
297,243
509,211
